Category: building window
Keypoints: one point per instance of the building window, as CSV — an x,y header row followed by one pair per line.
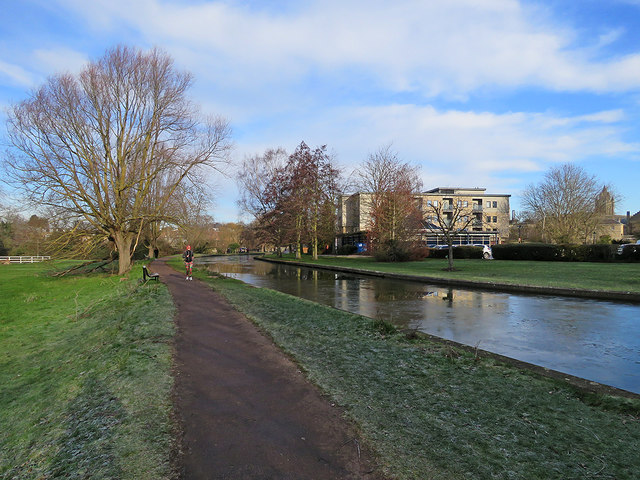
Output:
x,y
495,219
488,219
495,205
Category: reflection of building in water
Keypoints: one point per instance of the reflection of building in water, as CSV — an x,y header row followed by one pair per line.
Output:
x,y
469,298
356,295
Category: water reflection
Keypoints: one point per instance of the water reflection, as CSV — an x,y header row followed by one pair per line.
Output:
x,y
588,338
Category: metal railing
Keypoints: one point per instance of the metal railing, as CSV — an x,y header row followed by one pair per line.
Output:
x,y
24,259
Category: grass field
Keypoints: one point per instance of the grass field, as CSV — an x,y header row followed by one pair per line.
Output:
x,y
84,375
431,411
85,388
623,277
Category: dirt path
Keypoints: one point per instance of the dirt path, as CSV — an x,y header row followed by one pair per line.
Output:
x,y
246,410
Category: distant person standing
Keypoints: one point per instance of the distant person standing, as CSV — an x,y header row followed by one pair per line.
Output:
x,y
188,261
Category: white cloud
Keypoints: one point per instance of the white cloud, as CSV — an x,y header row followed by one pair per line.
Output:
x,y
436,48
330,71
59,60
457,147
15,74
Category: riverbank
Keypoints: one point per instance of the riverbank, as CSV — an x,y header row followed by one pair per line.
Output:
x,y
432,410
619,282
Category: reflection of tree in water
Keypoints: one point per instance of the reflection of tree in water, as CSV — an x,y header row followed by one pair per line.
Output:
x,y
542,330
449,296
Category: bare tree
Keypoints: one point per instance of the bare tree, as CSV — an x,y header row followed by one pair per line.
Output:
x,y
230,236
262,180
253,178
392,185
94,145
451,217
564,204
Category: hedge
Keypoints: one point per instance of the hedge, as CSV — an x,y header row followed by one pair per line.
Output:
x,y
459,251
563,253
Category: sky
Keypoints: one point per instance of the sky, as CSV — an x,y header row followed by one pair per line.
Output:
x,y
478,93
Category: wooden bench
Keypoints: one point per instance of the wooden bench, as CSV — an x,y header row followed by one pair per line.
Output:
x,y
147,274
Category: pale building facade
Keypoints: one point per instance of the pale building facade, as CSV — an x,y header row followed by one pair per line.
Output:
x,y
488,212
488,215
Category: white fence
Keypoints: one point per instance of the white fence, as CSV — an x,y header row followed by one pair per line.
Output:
x,y
31,259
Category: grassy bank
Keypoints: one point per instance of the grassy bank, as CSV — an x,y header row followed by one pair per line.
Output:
x,y
84,375
434,412
622,277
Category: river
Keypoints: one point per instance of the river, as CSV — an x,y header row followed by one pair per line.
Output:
x,y
593,339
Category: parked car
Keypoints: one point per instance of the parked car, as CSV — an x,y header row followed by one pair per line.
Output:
x,y
625,246
487,253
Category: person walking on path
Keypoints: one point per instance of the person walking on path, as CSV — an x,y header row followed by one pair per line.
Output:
x,y
188,262
245,410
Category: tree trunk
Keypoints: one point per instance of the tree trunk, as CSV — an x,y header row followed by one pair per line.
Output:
x,y
299,238
123,243
314,240
450,257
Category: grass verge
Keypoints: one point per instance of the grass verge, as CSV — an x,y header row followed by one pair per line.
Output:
x,y
617,277
85,375
431,411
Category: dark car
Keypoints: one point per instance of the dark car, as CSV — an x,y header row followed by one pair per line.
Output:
x,y
633,247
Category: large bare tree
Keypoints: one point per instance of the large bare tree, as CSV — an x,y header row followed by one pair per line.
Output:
x,y
93,145
564,203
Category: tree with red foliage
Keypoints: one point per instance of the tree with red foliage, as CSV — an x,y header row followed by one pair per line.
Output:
x,y
313,190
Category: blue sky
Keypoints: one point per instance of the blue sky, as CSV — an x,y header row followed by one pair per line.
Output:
x,y
479,93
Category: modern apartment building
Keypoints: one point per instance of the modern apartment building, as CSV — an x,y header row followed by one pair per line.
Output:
x,y
487,215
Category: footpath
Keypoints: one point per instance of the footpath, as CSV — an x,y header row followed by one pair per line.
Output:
x,y
245,410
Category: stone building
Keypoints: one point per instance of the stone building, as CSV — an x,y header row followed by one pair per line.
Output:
x,y
489,212
609,224
489,215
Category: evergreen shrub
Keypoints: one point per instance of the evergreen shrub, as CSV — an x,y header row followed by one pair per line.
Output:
x,y
459,251
550,252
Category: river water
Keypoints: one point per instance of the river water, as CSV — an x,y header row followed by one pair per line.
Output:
x,y
593,339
